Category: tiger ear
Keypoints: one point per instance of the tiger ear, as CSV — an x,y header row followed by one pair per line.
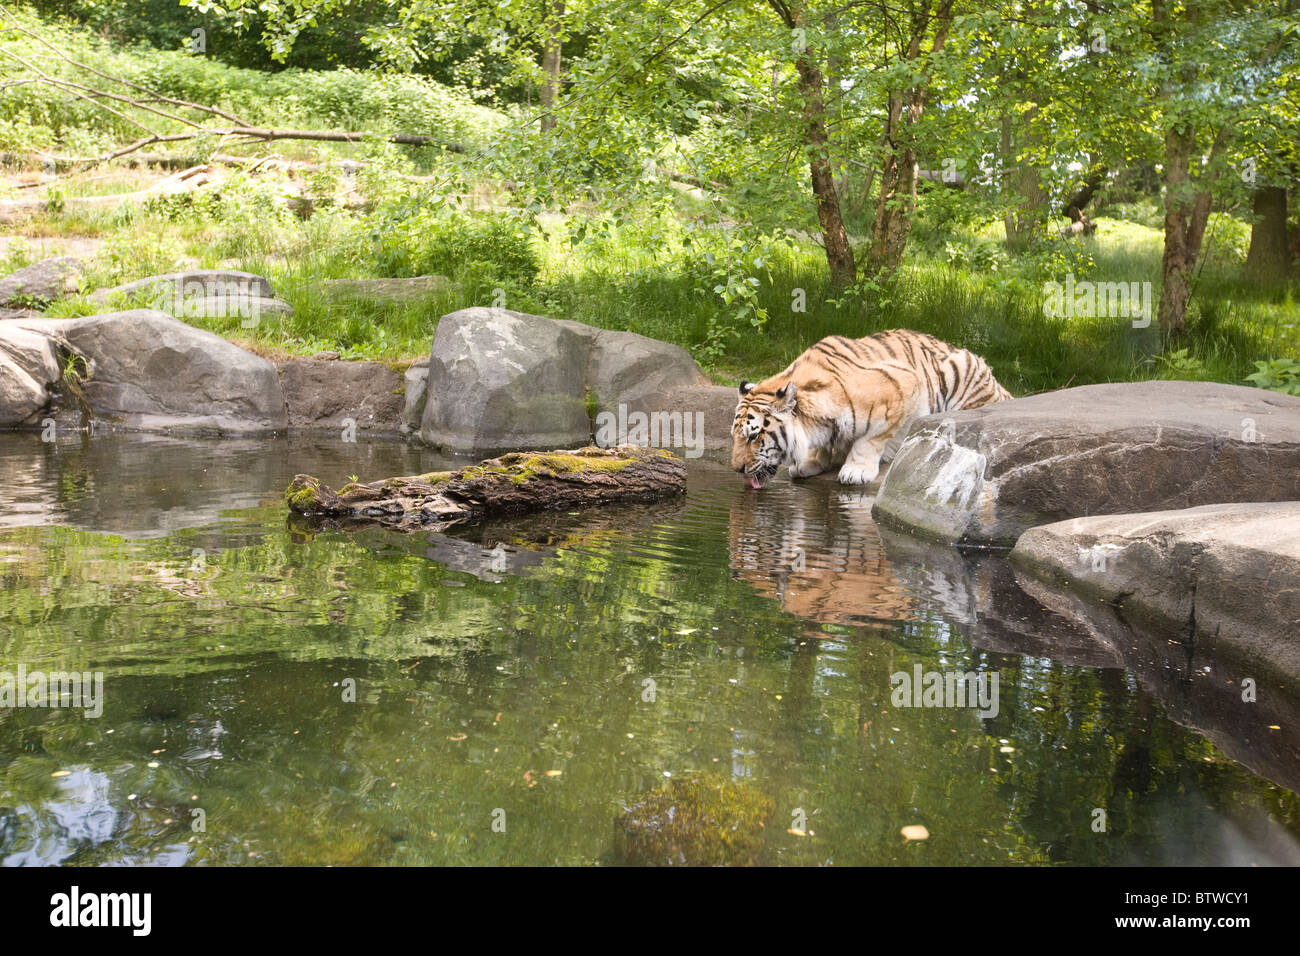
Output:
x,y
787,393
746,387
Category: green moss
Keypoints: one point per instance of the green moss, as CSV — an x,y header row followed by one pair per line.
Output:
x,y
526,466
697,820
300,499
521,466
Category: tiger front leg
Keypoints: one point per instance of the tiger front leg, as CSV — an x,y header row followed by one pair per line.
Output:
x,y
863,462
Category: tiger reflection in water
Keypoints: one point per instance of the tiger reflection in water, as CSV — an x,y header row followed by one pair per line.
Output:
x,y
817,551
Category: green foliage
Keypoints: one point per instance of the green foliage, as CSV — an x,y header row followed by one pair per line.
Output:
x,y
31,118
983,255
732,275
1277,375
423,235
1181,364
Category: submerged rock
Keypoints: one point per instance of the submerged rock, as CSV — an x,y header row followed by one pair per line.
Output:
x,y
986,475
513,484
696,820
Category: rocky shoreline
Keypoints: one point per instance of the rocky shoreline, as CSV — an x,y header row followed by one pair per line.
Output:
x,y
1174,501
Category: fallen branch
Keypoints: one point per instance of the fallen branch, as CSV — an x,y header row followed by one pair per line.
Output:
x,y
255,133
514,484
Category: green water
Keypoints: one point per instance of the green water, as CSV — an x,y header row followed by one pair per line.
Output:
x,y
550,683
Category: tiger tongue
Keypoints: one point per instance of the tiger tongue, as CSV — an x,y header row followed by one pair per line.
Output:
x,y
755,484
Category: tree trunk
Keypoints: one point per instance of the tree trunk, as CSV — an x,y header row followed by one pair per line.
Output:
x,y
1091,183
897,202
1187,211
839,255
1008,161
551,67
898,170
1269,258
1023,179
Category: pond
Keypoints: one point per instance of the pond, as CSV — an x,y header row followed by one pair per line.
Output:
x,y
281,695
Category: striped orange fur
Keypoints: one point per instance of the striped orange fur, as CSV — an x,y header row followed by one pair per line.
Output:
x,y
841,401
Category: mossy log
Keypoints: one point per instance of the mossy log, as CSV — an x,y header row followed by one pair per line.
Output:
x,y
514,484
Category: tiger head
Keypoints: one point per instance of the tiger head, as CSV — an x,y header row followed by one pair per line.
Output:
x,y
760,434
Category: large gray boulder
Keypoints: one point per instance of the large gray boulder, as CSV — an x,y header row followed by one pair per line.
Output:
x,y
1224,578
149,371
986,475
501,379
41,282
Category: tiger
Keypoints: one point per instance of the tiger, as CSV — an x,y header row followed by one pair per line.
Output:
x,y
841,401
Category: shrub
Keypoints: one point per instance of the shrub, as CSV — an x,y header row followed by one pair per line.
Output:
x,y
423,235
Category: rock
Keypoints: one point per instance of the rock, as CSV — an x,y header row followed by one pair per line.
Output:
x,y
417,378
35,353
986,475
1225,578
325,395
501,379
387,290
41,282
1196,684
22,397
638,371
514,484
326,356
150,371
29,372
6,314
199,293
696,820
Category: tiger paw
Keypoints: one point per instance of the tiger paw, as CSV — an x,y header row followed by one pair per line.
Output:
x,y
858,474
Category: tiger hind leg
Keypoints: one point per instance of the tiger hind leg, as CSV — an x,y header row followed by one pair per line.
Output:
x,y
817,462
863,462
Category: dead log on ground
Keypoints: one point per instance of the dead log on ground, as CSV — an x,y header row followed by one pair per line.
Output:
x,y
184,181
514,484
1081,226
